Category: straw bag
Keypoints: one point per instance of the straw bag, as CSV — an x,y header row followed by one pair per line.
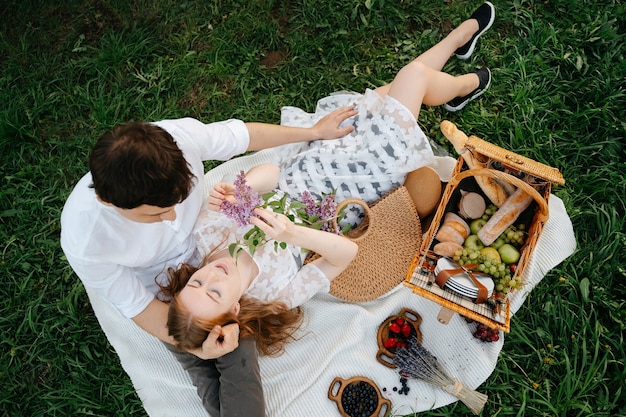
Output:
x,y
388,238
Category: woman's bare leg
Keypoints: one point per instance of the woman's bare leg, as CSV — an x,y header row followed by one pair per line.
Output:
x,y
437,56
422,82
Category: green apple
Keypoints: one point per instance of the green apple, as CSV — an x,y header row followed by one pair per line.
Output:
x,y
508,253
473,243
476,225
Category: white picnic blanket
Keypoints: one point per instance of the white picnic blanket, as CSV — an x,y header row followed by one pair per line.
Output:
x,y
338,339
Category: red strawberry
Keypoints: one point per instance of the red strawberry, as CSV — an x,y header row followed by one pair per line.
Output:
x,y
391,343
406,330
394,328
399,321
402,345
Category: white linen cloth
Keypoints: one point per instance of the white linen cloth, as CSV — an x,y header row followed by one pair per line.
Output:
x,y
338,339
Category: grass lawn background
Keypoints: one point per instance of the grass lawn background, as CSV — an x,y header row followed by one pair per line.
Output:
x,y
70,70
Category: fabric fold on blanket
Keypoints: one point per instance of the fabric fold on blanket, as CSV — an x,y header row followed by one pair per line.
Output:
x,y
338,339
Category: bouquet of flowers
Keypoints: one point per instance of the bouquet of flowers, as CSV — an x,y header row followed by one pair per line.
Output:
x,y
318,215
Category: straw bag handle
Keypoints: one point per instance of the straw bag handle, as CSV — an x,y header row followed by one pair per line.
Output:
x,y
353,200
492,173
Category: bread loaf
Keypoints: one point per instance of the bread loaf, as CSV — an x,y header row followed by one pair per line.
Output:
x,y
490,187
449,234
504,217
447,248
457,223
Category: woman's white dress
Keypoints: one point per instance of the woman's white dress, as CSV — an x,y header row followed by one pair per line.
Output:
x,y
386,144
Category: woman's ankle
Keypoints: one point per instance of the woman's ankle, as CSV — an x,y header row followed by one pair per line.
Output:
x,y
465,31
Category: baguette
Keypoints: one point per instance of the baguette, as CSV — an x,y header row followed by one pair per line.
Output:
x,y
504,217
490,187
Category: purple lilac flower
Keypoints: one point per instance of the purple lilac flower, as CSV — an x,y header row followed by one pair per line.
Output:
x,y
310,208
325,211
246,201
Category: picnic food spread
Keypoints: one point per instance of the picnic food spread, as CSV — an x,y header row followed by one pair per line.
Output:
x,y
490,216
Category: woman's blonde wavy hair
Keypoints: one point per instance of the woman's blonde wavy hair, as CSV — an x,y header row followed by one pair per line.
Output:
x,y
271,324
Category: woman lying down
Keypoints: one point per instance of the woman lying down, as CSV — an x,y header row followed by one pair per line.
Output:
x,y
261,290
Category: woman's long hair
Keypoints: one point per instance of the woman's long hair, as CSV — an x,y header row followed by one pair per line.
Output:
x,y
272,324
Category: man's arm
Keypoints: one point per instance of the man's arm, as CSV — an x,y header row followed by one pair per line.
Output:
x,y
264,135
221,340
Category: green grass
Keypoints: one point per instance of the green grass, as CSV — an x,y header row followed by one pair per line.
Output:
x,y
70,70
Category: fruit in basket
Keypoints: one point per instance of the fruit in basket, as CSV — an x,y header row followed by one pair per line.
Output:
x,y
476,225
390,343
473,243
491,253
498,242
508,253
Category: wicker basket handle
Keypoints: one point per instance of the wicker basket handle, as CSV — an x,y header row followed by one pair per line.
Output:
x,y
356,201
503,176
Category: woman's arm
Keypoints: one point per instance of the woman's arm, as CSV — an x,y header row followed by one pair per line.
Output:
x,y
265,135
336,252
261,178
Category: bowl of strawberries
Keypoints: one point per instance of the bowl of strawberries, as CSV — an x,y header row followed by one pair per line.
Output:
x,y
396,332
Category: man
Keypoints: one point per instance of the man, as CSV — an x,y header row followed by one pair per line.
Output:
x,y
130,219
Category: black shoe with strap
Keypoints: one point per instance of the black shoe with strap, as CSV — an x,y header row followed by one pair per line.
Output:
x,y
485,15
484,80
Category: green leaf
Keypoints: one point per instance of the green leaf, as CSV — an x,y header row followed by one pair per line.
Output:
x,y
584,289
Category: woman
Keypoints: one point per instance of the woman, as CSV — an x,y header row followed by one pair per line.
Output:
x,y
261,292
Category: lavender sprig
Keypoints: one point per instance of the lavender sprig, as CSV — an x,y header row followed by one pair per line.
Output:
x,y
415,361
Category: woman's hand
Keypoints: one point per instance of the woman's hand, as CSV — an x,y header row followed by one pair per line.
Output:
x,y
275,225
330,126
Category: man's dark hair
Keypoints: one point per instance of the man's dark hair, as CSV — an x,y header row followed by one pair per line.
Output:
x,y
139,163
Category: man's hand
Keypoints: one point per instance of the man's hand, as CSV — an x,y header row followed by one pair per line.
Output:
x,y
331,126
221,192
221,340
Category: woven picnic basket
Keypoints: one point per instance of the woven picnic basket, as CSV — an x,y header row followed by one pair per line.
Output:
x,y
502,165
